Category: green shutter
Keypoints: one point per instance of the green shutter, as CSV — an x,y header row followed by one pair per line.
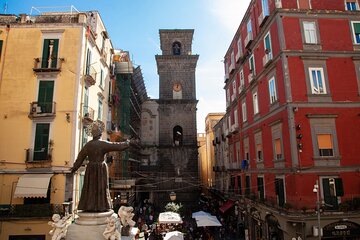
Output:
x,y
339,187
326,189
88,59
1,45
45,96
54,55
41,141
45,56
357,28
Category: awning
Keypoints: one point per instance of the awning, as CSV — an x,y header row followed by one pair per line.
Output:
x,y
32,185
226,206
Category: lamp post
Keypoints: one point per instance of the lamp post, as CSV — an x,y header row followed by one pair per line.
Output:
x,y
317,191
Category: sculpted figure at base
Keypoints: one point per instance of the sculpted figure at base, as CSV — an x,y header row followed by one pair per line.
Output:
x,y
59,226
95,195
126,214
111,231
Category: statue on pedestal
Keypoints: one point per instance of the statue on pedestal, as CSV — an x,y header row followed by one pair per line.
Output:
x,y
95,195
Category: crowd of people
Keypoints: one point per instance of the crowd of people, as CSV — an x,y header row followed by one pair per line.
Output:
x,y
146,216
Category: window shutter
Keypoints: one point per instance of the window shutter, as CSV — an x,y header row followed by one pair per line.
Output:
x,y
45,95
339,187
54,54
46,53
277,186
277,146
326,189
357,28
324,141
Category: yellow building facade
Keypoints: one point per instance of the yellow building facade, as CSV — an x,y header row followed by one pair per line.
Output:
x,y
206,151
55,73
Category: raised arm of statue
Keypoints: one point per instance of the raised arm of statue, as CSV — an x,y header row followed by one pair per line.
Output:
x,y
80,159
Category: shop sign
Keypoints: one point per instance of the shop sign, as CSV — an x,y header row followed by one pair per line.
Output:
x,y
341,229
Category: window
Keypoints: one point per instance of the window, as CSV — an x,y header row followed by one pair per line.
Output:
x,y
278,153
242,80
50,53
261,189
249,29
84,138
304,4
88,62
228,96
41,144
356,32
351,5
280,191
310,32
259,154
256,103
239,49
178,135
233,90
332,189
102,79
325,144
45,96
244,114
272,90
176,47
247,185
265,7
236,121
232,61
100,110
252,64
317,81
86,101
267,47
239,190
258,146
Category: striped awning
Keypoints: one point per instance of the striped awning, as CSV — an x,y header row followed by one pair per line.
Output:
x,y
32,185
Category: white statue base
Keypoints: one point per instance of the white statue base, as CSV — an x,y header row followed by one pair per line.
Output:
x,y
88,226
91,226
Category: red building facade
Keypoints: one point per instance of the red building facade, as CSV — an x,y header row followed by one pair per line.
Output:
x,y
292,81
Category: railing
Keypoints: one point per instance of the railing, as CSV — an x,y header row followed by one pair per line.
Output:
x,y
30,210
37,156
48,64
88,113
90,75
42,109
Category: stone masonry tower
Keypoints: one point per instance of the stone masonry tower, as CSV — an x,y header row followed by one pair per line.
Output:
x,y
177,151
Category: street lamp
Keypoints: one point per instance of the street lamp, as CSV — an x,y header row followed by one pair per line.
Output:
x,y
317,191
172,196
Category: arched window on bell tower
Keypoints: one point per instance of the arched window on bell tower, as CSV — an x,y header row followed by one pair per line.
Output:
x,y
178,136
176,47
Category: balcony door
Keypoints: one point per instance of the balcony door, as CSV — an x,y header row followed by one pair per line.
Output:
x,y
50,53
41,141
45,96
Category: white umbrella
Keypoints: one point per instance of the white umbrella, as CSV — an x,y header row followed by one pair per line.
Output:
x,y
199,214
169,217
207,221
175,235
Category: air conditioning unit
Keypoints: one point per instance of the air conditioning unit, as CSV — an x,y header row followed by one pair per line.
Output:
x,y
35,109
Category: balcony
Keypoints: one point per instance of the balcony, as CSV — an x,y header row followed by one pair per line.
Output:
x,y
90,75
267,57
250,77
48,65
88,114
248,40
30,210
43,156
232,67
104,56
262,19
42,109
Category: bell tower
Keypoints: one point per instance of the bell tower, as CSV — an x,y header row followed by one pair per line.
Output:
x,y
178,153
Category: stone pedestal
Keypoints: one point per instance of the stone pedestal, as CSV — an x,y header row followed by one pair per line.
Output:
x,y
88,226
91,226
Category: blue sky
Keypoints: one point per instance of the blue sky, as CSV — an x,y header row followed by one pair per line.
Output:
x,y
133,25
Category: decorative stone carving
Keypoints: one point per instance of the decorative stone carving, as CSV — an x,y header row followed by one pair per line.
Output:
x,y
112,228
59,226
126,214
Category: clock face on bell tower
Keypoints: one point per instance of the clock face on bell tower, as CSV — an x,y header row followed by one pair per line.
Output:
x,y
177,87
